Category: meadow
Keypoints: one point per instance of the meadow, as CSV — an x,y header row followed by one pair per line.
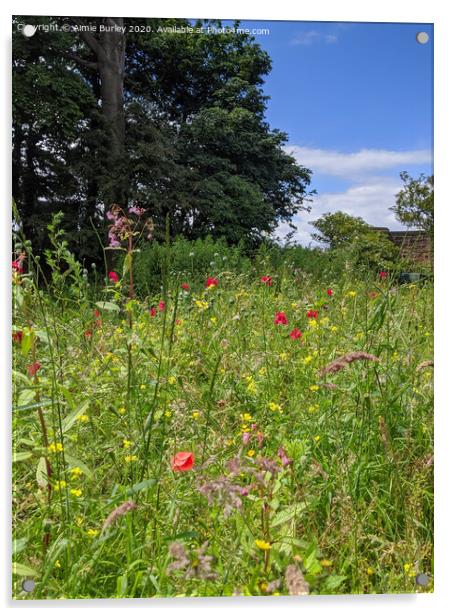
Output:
x,y
255,430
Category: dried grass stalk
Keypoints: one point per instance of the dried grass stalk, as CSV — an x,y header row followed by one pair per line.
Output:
x,y
121,510
349,358
425,364
295,582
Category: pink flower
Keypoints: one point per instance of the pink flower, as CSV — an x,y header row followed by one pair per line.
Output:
x,y
246,438
267,280
183,461
211,282
383,275
329,292
285,461
17,266
162,306
113,276
295,333
260,439
280,318
153,311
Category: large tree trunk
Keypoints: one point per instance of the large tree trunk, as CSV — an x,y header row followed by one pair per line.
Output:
x,y
111,73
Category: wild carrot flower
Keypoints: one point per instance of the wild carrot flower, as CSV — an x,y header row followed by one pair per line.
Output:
x,y
312,314
113,276
33,368
183,461
295,334
211,282
281,319
267,280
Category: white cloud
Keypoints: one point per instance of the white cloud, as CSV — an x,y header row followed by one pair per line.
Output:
x,y
313,36
354,165
369,201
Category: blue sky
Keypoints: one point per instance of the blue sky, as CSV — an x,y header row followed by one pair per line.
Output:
x,y
356,100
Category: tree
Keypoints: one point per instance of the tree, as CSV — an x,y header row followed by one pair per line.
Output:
x,y
173,122
338,229
414,203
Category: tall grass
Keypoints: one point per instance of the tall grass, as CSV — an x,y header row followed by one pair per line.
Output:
x,y
303,481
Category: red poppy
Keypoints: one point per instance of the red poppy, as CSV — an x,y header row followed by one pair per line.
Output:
x,y
312,314
281,319
295,333
113,276
329,292
88,333
33,368
183,461
267,280
17,266
17,336
96,313
185,286
383,275
211,282
161,306
153,311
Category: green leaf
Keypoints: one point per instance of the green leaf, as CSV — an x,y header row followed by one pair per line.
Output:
x,y
286,515
109,306
69,421
23,570
76,462
21,455
19,544
41,473
333,581
34,405
143,485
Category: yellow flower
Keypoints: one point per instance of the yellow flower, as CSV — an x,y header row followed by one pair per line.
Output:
x,y
79,520
314,387
127,444
167,413
83,418
213,320
334,328
201,304
54,447
283,356
60,485
409,569
246,417
317,438
313,408
122,410
307,360
195,414
92,532
351,294
294,305
251,453
313,323
326,563
130,458
262,372
76,492
76,472
395,356
142,386
274,407
370,571
171,380
324,321
251,387
263,586
262,545
57,564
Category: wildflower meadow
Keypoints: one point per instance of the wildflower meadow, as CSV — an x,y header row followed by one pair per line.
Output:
x,y
255,430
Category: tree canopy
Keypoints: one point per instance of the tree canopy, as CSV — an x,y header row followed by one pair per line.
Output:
x,y
414,203
174,122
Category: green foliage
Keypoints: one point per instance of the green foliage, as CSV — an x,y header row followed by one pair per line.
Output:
x,y
339,229
415,202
